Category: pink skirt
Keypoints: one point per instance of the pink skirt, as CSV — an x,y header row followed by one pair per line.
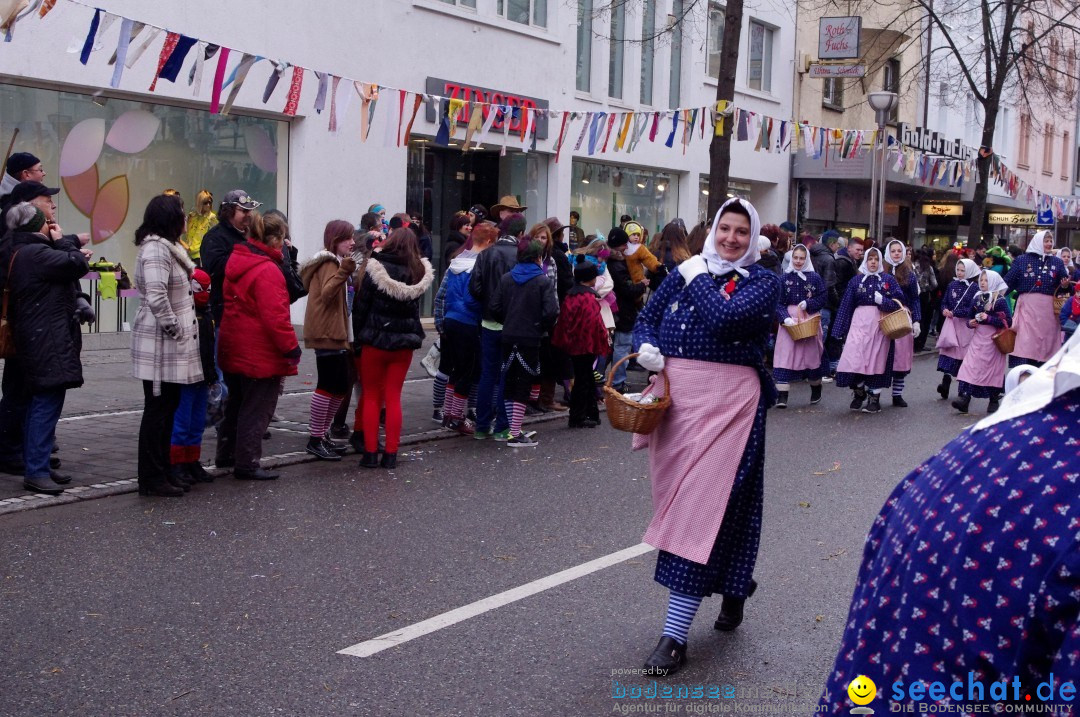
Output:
x,y
984,365
954,338
1038,333
694,454
797,355
903,354
866,349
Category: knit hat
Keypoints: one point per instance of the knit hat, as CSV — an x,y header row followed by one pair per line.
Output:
x,y
585,271
20,162
617,238
34,224
529,251
200,287
632,228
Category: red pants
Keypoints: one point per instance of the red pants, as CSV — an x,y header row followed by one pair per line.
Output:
x,y
382,374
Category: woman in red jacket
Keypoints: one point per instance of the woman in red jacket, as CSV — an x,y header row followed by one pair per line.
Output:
x,y
256,343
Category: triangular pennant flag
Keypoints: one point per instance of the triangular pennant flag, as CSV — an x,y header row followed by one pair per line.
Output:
x,y
241,74
171,70
670,142
171,41
295,89
507,120
489,122
417,101
401,116
476,122
122,47
526,128
562,134
620,141
219,78
655,126
595,131
584,131
204,54
320,96
334,84
88,44
133,31
442,136
456,105
46,6
273,80
607,135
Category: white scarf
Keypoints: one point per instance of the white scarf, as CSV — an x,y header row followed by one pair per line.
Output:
x,y
1035,246
865,270
631,249
971,270
712,258
996,286
888,254
807,267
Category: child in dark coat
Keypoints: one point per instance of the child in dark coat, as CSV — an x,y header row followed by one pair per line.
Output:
x,y
581,334
190,419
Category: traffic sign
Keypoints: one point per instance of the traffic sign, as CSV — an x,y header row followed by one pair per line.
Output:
x,y
828,71
1045,217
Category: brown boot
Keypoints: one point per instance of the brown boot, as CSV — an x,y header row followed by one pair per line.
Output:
x,y
547,396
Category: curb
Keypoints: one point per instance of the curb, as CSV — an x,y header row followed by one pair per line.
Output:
x,y
33,501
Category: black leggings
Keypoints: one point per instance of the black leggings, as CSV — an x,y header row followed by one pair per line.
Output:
x,y
460,355
521,371
333,370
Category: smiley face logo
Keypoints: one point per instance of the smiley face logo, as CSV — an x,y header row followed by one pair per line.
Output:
x,y
862,690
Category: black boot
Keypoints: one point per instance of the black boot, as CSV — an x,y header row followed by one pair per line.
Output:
x,y
316,448
389,461
898,401
961,403
731,610
858,396
369,460
667,658
995,403
162,488
943,387
873,403
197,473
815,394
781,399
335,447
177,478
224,457
356,440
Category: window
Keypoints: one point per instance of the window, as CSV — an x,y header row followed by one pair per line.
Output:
x,y
760,67
526,12
1023,157
675,22
616,50
462,3
832,93
584,45
891,83
1065,152
1048,150
714,44
648,52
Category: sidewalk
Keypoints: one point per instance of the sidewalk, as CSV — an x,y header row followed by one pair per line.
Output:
x,y
98,432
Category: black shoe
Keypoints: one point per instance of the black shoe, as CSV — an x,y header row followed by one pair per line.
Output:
x,y
961,403
356,440
858,396
198,473
781,399
12,467
339,431
59,478
163,490
533,408
335,447
943,387
873,404
668,657
257,474
224,461
583,423
369,460
470,415
54,462
815,394
389,461
317,448
42,485
995,404
176,478
899,402
731,610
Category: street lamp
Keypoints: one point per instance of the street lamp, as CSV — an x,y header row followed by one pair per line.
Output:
x,y
883,103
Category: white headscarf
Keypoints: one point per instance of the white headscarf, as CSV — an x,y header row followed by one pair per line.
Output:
x,y
971,270
807,267
865,270
995,286
720,266
887,256
1060,255
1035,246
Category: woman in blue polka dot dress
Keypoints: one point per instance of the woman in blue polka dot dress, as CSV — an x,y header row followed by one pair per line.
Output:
x,y
803,297
955,336
707,327
1035,277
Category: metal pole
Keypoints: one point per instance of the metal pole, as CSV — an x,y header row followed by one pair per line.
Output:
x,y
873,189
881,186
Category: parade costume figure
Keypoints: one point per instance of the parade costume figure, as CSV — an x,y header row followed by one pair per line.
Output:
x,y
902,352
199,221
803,296
972,565
864,362
982,374
707,325
955,333
1035,277
189,421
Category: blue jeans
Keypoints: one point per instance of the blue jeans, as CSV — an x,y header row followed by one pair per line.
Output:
x,y
623,343
190,419
826,360
489,389
39,431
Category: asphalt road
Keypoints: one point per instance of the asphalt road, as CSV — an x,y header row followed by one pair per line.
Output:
x,y
236,599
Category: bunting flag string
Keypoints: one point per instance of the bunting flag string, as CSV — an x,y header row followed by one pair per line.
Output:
x,y
562,135
239,76
489,122
121,52
219,77
417,101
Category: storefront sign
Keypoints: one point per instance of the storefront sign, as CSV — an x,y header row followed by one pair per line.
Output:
x,y
1015,218
826,71
942,210
474,93
934,142
838,38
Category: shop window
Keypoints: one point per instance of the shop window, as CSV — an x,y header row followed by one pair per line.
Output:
x,y
891,83
759,69
832,93
616,51
1066,151
524,12
601,193
714,44
675,22
584,45
1048,149
648,53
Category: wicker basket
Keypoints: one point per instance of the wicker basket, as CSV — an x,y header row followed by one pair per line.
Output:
x,y
1005,341
631,416
896,325
1059,301
804,329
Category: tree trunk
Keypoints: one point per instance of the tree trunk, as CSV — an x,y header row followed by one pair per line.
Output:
x,y
982,185
720,147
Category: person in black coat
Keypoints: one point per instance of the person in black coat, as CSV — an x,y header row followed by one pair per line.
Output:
x,y
460,228
44,310
628,295
218,244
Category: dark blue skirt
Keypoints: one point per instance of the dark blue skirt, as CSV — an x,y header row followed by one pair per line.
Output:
x,y
948,365
976,391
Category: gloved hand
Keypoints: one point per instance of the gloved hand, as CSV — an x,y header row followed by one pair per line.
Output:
x,y
691,268
649,357
878,298
83,311
916,330
348,264
802,305
293,357
789,321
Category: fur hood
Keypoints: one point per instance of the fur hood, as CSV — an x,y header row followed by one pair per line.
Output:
x,y
178,252
396,289
308,268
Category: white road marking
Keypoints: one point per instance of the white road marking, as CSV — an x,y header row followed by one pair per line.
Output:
x,y
392,639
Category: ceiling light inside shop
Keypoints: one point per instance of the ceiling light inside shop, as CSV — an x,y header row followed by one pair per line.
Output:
x,y
640,183
586,174
705,192
661,187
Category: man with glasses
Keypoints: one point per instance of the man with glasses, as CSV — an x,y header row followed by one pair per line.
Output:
x,y
21,167
233,218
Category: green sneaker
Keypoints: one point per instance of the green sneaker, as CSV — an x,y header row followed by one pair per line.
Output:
x,y
481,435
502,435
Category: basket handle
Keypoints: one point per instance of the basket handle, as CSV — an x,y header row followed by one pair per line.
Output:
x,y
611,371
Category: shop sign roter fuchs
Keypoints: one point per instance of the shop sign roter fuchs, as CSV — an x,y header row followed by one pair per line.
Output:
x,y
942,210
475,93
838,38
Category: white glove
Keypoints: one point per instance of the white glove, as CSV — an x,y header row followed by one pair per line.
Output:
x,y
691,268
650,358
916,330
802,305
878,298
789,321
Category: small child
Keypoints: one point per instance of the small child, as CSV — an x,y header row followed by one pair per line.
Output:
x,y
581,333
1070,313
526,305
639,258
189,421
